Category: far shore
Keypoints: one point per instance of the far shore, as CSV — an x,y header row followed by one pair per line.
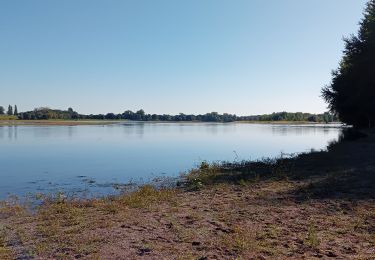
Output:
x,y
58,122
52,122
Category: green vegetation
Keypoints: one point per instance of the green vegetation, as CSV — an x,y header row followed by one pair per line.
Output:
x,y
44,113
48,114
10,110
6,117
146,197
351,93
294,117
10,115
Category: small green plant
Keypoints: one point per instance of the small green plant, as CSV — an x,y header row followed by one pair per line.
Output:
x,y
312,239
204,165
242,182
195,184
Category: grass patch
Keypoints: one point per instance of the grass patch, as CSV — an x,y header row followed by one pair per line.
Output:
x,y
312,239
11,208
6,117
59,222
5,252
240,241
146,197
242,173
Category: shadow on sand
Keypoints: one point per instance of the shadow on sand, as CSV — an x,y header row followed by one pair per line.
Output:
x,y
345,171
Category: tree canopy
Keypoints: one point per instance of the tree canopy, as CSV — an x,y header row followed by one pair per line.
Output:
x,y
10,110
45,113
351,93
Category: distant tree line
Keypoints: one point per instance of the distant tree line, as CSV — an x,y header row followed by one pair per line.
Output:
x,y
45,113
10,111
298,116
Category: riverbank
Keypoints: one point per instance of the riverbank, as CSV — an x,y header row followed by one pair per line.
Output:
x,y
316,205
58,122
7,122
287,122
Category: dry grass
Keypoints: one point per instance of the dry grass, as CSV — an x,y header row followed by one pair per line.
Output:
x,y
5,252
55,229
146,197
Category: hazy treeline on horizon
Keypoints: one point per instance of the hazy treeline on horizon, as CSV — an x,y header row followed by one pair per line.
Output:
x,y
45,113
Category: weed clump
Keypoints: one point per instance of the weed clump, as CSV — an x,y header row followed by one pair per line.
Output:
x,y
312,239
241,173
146,196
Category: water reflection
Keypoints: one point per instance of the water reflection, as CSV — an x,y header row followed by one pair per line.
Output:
x,y
50,158
135,129
12,132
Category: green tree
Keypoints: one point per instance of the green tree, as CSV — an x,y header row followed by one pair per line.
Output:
x,y
15,110
2,110
351,93
10,110
128,114
140,114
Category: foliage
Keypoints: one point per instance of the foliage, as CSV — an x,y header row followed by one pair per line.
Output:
x,y
351,93
44,113
10,110
242,172
312,238
6,117
298,116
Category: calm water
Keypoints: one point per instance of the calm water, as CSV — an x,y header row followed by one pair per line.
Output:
x,y
91,158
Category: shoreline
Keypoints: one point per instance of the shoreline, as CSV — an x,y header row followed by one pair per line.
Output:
x,y
240,210
56,122
109,122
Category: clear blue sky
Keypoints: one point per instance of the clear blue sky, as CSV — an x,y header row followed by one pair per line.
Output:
x,y
171,56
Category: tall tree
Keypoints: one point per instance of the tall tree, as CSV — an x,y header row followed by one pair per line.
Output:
x,y
10,110
351,93
15,110
2,110
139,115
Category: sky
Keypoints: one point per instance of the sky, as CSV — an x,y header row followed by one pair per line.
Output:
x,y
171,56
